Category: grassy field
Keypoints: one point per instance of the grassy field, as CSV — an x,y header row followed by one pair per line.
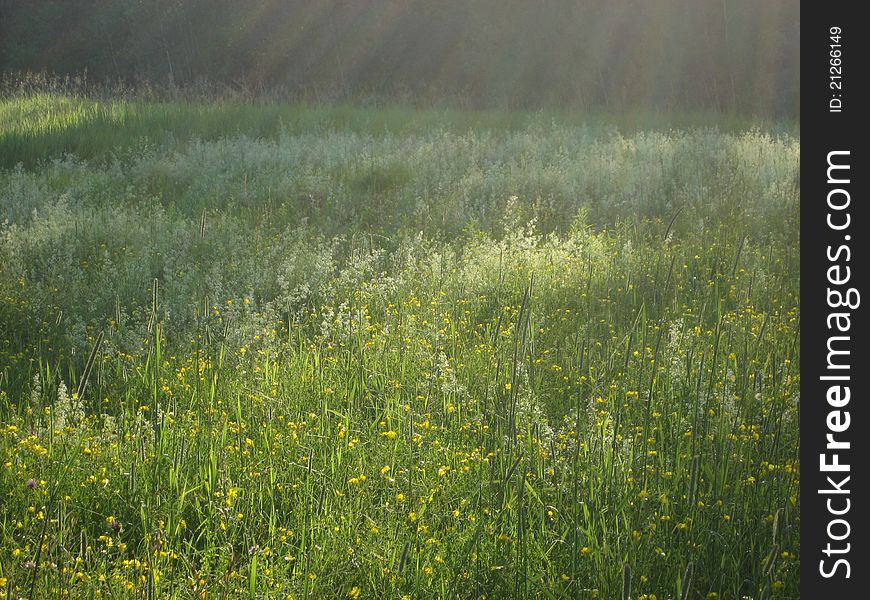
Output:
x,y
287,352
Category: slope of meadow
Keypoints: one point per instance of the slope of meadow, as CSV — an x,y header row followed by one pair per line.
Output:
x,y
394,354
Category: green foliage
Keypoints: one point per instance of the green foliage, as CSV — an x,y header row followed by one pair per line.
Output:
x,y
51,124
739,56
368,357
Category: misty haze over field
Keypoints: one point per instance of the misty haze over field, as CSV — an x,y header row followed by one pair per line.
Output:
x,y
730,55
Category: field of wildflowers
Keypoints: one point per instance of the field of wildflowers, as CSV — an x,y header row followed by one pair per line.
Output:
x,y
360,357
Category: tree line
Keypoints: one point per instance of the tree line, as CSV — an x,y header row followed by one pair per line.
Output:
x,y
737,56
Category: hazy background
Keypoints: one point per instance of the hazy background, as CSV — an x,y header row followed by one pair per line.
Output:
x,y
737,56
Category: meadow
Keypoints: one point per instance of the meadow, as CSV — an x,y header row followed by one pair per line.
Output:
x,y
273,351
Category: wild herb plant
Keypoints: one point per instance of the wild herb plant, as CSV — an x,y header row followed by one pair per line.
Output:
x,y
394,359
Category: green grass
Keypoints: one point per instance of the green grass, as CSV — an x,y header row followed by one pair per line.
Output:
x,y
388,354
43,126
